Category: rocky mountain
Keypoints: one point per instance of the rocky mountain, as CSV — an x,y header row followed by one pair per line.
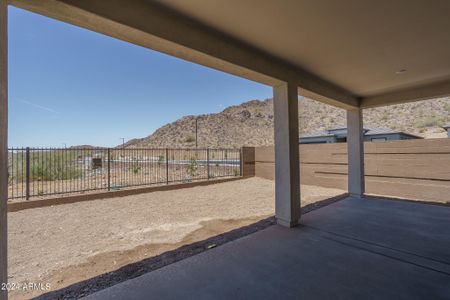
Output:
x,y
251,123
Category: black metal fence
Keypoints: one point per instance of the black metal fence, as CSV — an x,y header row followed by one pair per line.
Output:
x,y
37,172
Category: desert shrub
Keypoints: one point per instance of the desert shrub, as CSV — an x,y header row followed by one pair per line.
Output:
x,y
136,167
447,107
53,166
385,116
431,121
48,166
396,127
190,139
192,167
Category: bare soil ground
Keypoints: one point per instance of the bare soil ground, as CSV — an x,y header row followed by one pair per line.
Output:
x,y
65,244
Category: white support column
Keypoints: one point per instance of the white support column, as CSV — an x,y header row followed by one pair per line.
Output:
x,y
355,148
287,168
3,145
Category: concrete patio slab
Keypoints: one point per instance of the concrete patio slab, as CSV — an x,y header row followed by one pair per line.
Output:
x,y
352,249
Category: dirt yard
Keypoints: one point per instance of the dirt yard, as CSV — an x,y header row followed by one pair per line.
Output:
x,y
68,243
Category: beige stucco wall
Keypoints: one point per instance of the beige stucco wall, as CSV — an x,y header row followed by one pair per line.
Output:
x,y
415,169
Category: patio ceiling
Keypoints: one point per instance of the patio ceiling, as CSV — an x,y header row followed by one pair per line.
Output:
x,y
359,45
346,53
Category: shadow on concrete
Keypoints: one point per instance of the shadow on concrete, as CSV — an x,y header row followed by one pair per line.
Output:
x,y
100,282
389,198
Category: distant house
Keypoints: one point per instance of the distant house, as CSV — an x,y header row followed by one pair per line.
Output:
x,y
339,135
447,128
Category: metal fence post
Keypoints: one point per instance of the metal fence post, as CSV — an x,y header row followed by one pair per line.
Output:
x,y
207,161
167,166
240,161
109,169
27,173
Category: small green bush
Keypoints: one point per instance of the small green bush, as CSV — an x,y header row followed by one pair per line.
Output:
x,y
136,168
192,167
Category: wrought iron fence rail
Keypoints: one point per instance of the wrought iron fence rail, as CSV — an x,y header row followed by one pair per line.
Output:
x,y
38,172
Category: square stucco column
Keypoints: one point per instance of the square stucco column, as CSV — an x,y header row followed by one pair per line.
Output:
x,y
287,169
355,148
3,145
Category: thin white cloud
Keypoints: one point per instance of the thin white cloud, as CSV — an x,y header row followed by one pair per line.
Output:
x,y
39,106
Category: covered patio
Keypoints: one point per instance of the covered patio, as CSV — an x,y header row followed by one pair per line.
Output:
x,y
351,249
353,54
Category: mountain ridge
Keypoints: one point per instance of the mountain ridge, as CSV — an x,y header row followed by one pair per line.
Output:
x,y
251,123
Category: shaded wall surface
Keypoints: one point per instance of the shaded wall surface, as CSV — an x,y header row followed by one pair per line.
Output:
x,y
415,169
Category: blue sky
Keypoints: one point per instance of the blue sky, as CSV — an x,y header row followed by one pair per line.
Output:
x,y
70,85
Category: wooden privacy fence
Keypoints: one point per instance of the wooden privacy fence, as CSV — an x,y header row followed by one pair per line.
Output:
x,y
414,169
